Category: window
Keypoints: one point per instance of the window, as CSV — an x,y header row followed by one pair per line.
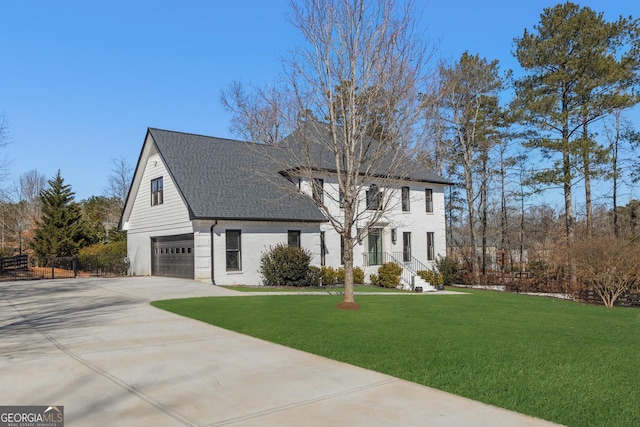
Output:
x,y
293,238
318,190
428,198
323,249
340,199
234,258
375,246
156,191
406,247
374,198
341,250
431,252
405,199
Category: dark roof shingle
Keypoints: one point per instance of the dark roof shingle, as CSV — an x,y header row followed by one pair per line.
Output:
x,y
227,179
313,139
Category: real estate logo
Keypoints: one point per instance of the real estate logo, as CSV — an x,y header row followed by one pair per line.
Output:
x,y
32,416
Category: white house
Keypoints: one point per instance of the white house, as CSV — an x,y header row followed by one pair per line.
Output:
x,y
207,208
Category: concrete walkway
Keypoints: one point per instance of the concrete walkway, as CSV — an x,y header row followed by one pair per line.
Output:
x,y
96,347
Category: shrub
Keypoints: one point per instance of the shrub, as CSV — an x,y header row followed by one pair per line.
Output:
x,y
104,258
448,267
358,276
608,265
388,275
284,265
314,276
431,276
328,276
374,279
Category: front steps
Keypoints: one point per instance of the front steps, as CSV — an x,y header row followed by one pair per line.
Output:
x,y
420,283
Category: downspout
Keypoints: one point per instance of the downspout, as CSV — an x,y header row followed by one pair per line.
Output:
x,y
213,276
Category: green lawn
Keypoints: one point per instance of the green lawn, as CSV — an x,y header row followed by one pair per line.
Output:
x,y
332,289
570,363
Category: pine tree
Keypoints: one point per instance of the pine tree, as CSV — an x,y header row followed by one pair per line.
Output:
x,y
61,231
579,68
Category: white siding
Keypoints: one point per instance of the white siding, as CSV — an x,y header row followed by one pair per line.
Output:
x,y
256,238
416,221
146,221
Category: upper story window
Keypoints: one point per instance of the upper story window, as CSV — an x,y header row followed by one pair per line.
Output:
x,y
156,191
374,198
405,199
340,199
428,198
293,238
318,190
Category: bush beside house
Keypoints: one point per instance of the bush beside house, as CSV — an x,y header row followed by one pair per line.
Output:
x,y
284,265
388,275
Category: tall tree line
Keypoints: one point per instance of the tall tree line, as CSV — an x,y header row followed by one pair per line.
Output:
x,y
500,137
579,74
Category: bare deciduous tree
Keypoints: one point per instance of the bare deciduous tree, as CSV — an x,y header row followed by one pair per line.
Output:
x,y
119,180
468,106
608,265
30,185
256,115
359,73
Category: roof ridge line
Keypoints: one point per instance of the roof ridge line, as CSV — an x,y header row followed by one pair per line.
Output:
x,y
205,136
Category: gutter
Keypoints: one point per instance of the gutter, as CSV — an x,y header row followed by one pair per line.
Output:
x,y
213,276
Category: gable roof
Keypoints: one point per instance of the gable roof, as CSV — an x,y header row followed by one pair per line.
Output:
x,y
310,139
227,179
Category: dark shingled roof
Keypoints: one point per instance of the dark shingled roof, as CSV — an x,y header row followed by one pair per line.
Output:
x,y
313,136
227,179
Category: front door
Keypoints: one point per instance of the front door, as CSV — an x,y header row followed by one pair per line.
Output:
x,y
375,246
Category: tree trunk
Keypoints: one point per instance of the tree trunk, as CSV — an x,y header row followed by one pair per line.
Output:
x,y
586,160
567,184
483,207
472,231
348,303
569,220
348,271
614,170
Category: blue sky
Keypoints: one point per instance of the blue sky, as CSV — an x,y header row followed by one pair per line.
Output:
x,y
80,81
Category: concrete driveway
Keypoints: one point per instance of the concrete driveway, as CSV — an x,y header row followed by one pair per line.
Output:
x,y
96,347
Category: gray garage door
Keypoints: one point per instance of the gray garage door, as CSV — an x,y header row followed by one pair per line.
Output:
x,y
172,256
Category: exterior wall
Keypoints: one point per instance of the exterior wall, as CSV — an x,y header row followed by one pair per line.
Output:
x,y
255,238
146,221
172,217
416,221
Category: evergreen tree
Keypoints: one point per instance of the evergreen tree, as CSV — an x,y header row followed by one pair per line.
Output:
x,y
579,69
61,230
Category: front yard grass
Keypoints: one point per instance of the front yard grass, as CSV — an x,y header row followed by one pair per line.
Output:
x,y
565,362
328,289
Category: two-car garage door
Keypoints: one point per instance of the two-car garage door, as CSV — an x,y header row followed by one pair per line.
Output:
x,y
172,256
